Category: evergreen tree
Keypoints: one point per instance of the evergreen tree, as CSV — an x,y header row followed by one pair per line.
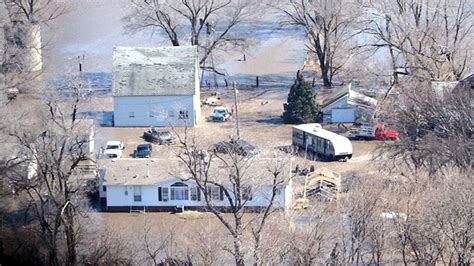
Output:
x,y
301,106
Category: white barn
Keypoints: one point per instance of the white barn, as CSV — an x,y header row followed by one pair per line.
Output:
x,y
156,86
147,185
347,106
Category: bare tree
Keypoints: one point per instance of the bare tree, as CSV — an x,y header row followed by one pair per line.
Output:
x,y
153,251
434,223
426,39
309,234
236,180
435,127
209,24
104,247
329,28
162,250
452,216
22,62
50,150
205,244
34,11
360,213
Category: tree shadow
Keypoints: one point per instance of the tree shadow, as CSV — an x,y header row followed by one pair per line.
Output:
x,y
272,121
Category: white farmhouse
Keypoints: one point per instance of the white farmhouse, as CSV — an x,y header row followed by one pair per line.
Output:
x,y
156,86
347,106
149,185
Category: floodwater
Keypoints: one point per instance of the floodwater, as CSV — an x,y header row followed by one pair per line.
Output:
x,y
90,30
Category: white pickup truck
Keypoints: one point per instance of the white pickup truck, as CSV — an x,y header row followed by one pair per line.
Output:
x,y
114,149
212,101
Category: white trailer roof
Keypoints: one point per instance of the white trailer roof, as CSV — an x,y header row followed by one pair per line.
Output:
x,y
340,143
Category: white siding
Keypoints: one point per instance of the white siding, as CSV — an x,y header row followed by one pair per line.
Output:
x,y
117,196
340,103
197,108
197,94
339,111
102,193
343,115
161,108
91,143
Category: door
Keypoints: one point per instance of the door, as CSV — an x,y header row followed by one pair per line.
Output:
x,y
343,115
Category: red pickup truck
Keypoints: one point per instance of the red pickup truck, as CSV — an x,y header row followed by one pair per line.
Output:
x,y
370,132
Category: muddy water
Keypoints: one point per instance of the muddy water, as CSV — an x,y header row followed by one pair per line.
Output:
x,y
91,29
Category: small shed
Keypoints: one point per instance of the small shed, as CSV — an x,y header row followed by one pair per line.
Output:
x,y
156,86
347,106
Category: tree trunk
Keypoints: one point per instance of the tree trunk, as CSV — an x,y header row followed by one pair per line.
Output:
x,y
238,256
194,36
323,65
69,228
324,74
53,255
70,237
256,255
175,42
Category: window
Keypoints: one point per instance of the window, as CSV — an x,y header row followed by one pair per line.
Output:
x,y
170,113
183,114
112,147
131,114
163,194
194,194
104,188
179,191
137,194
247,193
215,192
298,135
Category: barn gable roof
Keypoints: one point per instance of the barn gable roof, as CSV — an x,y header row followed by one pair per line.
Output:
x,y
162,71
352,97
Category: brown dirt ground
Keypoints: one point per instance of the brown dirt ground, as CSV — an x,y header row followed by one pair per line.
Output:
x,y
260,124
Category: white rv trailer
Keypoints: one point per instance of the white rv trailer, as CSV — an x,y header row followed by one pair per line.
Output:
x,y
321,143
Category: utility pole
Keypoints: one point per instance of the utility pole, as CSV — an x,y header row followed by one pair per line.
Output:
x,y
234,84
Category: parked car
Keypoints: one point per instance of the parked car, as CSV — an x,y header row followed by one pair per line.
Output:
x,y
219,114
114,149
211,101
143,151
160,136
240,146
